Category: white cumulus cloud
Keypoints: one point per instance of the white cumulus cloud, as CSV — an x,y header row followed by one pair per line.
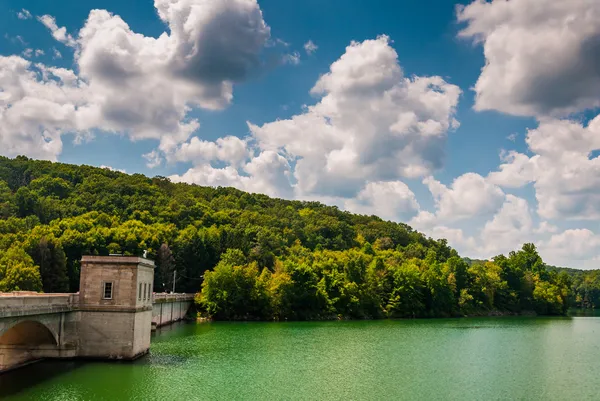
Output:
x,y
391,200
469,195
371,128
511,227
542,56
564,171
371,124
128,83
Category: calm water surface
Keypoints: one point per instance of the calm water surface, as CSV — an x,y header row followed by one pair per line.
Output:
x,y
484,359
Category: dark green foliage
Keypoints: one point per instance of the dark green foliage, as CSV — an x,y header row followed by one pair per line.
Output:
x,y
252,256
165,266
50,257
585,285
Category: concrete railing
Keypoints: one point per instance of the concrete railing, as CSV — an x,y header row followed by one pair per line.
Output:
x,y
26,303
165,297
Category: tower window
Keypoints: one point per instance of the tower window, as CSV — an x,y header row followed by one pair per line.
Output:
x,y
140,293
108,290
144,291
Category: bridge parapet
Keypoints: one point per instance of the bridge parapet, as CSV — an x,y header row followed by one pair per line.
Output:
x,y
164,297
18,304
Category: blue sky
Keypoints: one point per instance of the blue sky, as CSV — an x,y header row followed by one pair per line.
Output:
x,y
220,65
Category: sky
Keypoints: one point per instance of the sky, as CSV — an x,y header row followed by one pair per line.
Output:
x,y
475,121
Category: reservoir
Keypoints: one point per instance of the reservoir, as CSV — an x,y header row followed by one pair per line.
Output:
x,y
467,359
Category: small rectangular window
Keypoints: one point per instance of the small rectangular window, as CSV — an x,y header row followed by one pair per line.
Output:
x,y
144,291
108,290
149,291
140,293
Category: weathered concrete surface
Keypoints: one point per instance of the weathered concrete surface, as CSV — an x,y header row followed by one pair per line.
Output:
x,y
169,308
88,324
27,304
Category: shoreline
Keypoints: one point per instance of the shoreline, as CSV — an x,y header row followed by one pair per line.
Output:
x,y
493,314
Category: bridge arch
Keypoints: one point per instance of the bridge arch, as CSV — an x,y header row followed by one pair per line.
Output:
x,y
28,333
26,341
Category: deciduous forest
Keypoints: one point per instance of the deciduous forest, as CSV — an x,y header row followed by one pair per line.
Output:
x,y
249,256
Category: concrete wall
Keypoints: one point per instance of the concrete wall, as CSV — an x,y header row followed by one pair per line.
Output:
x,y
169,308
142,331
145,280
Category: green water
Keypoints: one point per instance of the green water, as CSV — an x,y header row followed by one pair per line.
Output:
x,y
483,359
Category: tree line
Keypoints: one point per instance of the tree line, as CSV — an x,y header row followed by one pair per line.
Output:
x,y
250,256
381,281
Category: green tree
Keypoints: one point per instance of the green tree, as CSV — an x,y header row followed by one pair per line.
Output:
x,y
49,255
163,272
17,271
234,293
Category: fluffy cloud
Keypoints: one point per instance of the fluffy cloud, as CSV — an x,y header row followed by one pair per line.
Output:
x,y
59,33
371,128
564,172
388,200
208,49
266,173
517,170
511,226
469,195
509,229
35,112
469,198
230,149
128,83
578,246
545,228
371,124
542,56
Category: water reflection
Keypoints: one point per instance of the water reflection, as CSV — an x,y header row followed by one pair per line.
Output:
x,y
584,312
16,381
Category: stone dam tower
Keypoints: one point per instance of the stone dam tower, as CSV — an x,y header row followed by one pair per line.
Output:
x,y
110,318
115,304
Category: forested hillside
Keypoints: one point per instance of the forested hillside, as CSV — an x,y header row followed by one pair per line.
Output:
x,y
254,257
585,286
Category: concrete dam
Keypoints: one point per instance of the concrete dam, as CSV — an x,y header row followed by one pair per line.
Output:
x,y
111,317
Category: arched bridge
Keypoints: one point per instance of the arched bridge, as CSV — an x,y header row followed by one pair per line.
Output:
x,y
36,326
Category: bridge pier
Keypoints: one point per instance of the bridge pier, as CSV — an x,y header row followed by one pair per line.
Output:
x,y
111,317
